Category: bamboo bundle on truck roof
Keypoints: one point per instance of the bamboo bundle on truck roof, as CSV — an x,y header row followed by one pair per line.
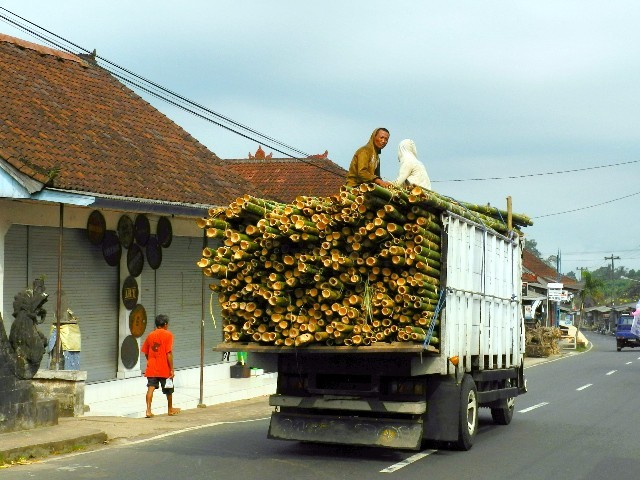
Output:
x,y
356,268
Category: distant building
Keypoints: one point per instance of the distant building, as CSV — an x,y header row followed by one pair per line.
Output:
x,y
84,159
536,276
283,179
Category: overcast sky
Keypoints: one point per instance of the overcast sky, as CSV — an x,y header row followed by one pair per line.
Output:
x,y
485,89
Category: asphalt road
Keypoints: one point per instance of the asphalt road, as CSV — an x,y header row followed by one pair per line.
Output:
x,y
578,421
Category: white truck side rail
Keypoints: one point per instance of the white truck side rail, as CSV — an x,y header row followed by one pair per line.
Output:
x,y
482,318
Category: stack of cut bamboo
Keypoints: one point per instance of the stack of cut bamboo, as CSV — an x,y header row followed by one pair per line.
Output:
x,y
542,341
356,268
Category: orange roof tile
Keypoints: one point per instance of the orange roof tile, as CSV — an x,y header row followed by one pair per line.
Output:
x,y
540,269
70,124
283,179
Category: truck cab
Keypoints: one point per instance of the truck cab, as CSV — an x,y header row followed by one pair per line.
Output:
x,y
624,337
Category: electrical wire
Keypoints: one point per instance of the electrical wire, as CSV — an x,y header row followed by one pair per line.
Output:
x,y
539,174
265,139
601,252
179,101
587,207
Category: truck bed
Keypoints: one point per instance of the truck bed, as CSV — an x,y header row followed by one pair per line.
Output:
x,y
393,347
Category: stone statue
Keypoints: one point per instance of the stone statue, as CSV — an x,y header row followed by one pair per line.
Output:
x,y
26,341
20,356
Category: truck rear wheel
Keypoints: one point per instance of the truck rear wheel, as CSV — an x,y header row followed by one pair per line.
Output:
x,y
468,419
503,413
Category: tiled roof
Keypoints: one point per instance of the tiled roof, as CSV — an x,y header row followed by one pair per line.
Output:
x,y
537,267
71,125
283,179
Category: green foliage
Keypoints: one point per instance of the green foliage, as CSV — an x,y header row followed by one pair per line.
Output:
x,y
616,289
592,287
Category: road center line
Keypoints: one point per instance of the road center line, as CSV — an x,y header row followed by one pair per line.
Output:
x,y
534,407
407,461
628,363
611,372
584,386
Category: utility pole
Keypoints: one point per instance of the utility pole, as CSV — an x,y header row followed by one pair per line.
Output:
x,y
612,258
559,277
581,269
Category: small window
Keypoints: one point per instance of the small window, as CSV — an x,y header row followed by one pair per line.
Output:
x,y
625,320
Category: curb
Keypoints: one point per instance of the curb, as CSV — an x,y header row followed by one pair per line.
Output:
x,y
25,449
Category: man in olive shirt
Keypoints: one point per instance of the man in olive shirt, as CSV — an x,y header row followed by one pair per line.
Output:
x,y
365,165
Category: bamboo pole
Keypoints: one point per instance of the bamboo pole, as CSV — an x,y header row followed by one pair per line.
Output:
x,y
349,269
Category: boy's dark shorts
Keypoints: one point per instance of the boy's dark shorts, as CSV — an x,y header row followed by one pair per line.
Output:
x,y
156,382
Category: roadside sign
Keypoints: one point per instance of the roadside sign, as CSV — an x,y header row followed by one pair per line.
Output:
x,y
554,291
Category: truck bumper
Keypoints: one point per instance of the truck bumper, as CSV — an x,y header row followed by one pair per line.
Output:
x,y
347,430
342,403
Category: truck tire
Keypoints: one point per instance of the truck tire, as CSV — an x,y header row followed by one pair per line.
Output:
x,y
468,419
619,345
503,413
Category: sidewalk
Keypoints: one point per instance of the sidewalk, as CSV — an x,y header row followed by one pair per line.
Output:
x,y
121,420
116,412
126,397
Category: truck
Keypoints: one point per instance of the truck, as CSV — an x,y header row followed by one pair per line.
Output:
x,y
398,395
624,337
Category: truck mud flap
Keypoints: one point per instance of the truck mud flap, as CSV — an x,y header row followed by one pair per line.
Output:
x,y
347,430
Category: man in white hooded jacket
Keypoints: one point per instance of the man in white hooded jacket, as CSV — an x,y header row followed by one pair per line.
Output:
x,y
412,171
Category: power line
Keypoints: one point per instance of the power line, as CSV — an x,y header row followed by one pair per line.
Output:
x,y
587,207
181,102
178,98
540,174
600,251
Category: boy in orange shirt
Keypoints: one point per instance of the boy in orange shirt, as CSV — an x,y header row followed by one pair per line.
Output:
x,y
158,349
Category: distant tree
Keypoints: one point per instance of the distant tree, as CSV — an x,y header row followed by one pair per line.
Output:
x,y
572,274
532,246
552,261
592,288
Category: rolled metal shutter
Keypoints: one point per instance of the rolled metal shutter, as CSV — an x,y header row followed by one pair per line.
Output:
x,y
175,289
91,288
15,270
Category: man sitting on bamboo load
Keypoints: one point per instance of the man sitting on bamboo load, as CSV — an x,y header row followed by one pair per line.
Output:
x,y
412,170
365,165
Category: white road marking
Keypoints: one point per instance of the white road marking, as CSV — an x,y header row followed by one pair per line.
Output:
x,y
74,467
190,429
534,407
408,461
584,386
126,444
611,372
628,363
